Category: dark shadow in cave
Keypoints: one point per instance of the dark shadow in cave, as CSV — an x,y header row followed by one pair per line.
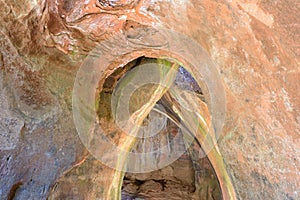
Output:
x,y
189,177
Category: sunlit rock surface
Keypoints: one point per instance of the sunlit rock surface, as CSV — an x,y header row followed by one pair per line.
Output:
x,y
255,45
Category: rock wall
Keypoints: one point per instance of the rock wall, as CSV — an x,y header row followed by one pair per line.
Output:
x,y
254,43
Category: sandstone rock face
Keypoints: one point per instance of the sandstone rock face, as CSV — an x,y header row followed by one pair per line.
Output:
x,y
254,44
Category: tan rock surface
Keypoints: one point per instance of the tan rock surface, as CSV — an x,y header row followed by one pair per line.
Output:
x,y
254,43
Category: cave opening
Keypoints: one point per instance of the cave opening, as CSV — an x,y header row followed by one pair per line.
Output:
x,y
190,176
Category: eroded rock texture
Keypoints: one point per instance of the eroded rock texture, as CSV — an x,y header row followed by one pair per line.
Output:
x,y
254,43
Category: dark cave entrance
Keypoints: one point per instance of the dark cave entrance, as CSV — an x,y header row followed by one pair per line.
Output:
x,y
189,177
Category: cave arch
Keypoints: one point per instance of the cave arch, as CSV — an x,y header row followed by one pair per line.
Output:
x,y
154,43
